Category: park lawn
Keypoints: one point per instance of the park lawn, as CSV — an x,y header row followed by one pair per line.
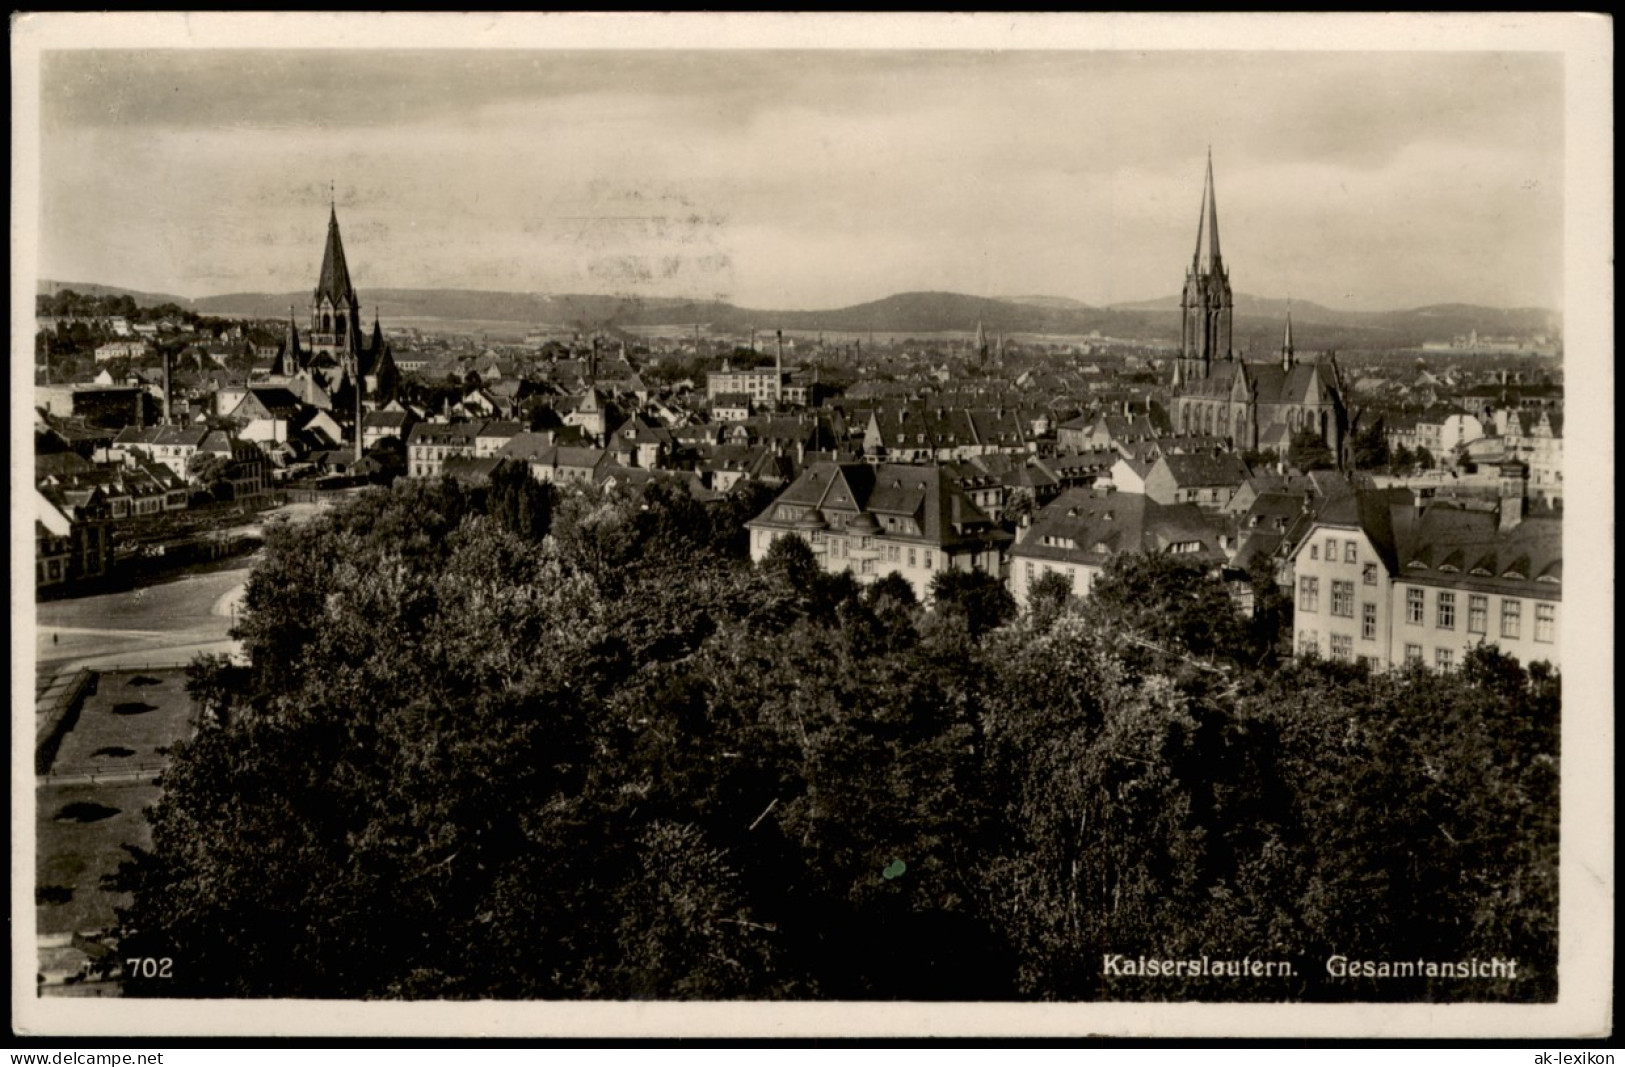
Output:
x,y
75,856
102,727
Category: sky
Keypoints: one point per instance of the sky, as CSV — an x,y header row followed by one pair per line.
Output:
x,y
808,178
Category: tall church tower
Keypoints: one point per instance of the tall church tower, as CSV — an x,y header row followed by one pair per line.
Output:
x,y
1206,306
335,311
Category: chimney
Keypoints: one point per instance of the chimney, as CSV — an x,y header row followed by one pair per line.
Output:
x,y
1514,491
168,393
360,388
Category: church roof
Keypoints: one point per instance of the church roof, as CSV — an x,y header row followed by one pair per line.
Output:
x,y
334,282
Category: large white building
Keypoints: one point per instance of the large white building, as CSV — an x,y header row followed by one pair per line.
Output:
x,y
1380,580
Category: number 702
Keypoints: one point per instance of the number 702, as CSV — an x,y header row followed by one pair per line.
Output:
x,y
148,967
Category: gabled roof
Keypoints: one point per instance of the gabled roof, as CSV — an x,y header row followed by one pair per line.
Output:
x,y
445,433
166,436
1194,469
527,446
927,495
1446,544
386,420
1088,526
501,428
274,401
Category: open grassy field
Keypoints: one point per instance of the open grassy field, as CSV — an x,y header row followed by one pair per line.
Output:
x,y
127,723
80,833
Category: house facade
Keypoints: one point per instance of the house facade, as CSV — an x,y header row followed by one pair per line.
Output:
x,y
432,443
1390,584
880,519
1077,535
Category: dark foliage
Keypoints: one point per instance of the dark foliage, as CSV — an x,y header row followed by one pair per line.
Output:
x,y
496,744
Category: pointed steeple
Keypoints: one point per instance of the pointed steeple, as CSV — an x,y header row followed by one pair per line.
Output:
x,y
1201,221
334,282
1212,209
290,347
375,348
1286,343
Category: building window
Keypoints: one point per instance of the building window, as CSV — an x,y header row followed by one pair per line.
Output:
x,y
1447,611
928,561
1308,641
1314,551
1478,614
1308,594
1331,550
1368,621
1413,653
1342,647
1029,574
913,558
1442,658
1368,574
1343,599
1512,619
1545,622
1351,552
1415,606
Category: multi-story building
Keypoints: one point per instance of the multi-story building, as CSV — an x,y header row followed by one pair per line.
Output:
x,y
72,542
763,385
1379,580
880,519
1078,534
432,443
122,350
173,446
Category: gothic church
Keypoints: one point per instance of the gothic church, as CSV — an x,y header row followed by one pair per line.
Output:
x,y
1256,405
335,351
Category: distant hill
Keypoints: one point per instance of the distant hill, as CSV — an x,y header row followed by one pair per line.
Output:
x,y
1258,324
51,288
1048,302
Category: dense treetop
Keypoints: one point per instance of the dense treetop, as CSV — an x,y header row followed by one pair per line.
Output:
x,y
505,743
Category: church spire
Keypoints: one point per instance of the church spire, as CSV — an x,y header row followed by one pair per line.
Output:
x,y
334,282
1201,221
290,347
1286,343
1212,210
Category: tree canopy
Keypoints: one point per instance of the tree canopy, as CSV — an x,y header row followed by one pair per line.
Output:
x,y
500,743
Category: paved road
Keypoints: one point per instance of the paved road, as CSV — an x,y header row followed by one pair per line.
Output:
x,y
165,623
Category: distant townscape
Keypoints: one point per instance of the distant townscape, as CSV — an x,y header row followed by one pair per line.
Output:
x,y
760,637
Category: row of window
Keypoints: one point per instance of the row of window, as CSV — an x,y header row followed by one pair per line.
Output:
x,y
840,547
1342,648
1350,554
1071,573
1443,658
1478,610
1478,613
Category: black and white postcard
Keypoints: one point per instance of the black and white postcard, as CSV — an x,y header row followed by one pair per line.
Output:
x,y
810,525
